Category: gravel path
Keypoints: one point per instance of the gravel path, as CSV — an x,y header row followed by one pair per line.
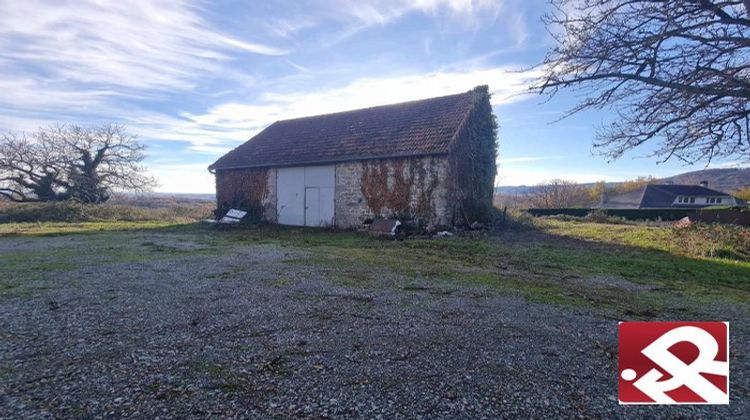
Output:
x,y
259,333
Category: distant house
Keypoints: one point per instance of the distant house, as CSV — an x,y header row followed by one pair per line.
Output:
x,y
431,160
664,196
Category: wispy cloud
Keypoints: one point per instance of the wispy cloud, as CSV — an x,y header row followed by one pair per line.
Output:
x,y
54,53
731,164
194,78
355,16
222,126
378,12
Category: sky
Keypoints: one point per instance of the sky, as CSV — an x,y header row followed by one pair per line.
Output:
x,y
194,79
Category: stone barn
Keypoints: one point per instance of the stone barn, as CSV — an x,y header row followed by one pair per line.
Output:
x,y
430,161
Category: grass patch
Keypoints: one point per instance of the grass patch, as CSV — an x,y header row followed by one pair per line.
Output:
x,y
640,236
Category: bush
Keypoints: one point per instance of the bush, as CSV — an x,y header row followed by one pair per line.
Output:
x,y
67,211
599,216
512,219
714,240
564,218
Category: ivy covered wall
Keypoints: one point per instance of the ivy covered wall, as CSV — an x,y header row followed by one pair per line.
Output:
x,y
252,190
473,159
406,188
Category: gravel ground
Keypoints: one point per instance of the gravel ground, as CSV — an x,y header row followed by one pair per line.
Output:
x,y
259,333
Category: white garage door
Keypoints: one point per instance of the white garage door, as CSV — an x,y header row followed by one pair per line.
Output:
x,y
305,195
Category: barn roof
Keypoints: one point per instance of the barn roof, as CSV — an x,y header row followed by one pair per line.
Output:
x,y
416,128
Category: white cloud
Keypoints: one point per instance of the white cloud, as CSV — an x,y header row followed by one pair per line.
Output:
x,y
224,126
378,12
731,164
345,18
82,61
81,52
184,178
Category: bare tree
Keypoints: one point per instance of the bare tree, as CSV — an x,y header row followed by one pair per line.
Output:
x,y
31,170
634,184
677,71
71,162
558,194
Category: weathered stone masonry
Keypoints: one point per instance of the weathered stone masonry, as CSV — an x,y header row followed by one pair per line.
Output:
x,y
252,189
427,201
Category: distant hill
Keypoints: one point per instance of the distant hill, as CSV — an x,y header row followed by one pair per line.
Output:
x,y
727,180
178,197
159,200
530,189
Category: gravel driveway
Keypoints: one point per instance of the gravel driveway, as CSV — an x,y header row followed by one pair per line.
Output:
x,y
259,332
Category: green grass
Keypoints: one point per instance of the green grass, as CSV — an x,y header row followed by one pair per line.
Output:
x,y
640,236
554,264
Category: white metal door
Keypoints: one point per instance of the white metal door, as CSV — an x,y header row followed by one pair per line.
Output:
x,y
306,195
290,188
312,206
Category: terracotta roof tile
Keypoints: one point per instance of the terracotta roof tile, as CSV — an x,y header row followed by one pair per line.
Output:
x,y
407,129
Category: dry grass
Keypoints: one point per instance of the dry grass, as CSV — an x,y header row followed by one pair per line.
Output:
x,y
76,212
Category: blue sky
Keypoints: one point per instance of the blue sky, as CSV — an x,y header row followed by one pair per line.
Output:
x,y
194,79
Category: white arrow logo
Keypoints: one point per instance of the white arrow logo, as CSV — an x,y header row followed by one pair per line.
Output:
x,y
682,373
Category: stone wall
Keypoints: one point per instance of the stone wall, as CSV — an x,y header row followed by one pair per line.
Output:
x,y
269,205
252,190
424,180
423,183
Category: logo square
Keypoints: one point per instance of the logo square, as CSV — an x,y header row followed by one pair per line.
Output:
x,y
673,363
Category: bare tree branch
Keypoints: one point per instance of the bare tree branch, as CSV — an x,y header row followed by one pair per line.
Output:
x,y
676,72
558,194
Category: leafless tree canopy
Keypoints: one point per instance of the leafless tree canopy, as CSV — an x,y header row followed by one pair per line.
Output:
x,y
558,194
70,162
675,71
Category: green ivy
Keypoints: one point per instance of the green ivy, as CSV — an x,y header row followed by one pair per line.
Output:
x,y
473,161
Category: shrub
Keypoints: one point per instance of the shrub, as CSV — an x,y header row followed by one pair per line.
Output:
x,y
599,216
512,219
564,218
714,240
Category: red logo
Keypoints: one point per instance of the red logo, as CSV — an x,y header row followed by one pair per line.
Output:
x,y
674,363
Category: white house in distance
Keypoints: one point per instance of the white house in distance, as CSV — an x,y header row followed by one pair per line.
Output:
x,y
665,196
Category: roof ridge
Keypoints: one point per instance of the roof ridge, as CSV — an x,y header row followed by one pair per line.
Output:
x,y
411,102
701,187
